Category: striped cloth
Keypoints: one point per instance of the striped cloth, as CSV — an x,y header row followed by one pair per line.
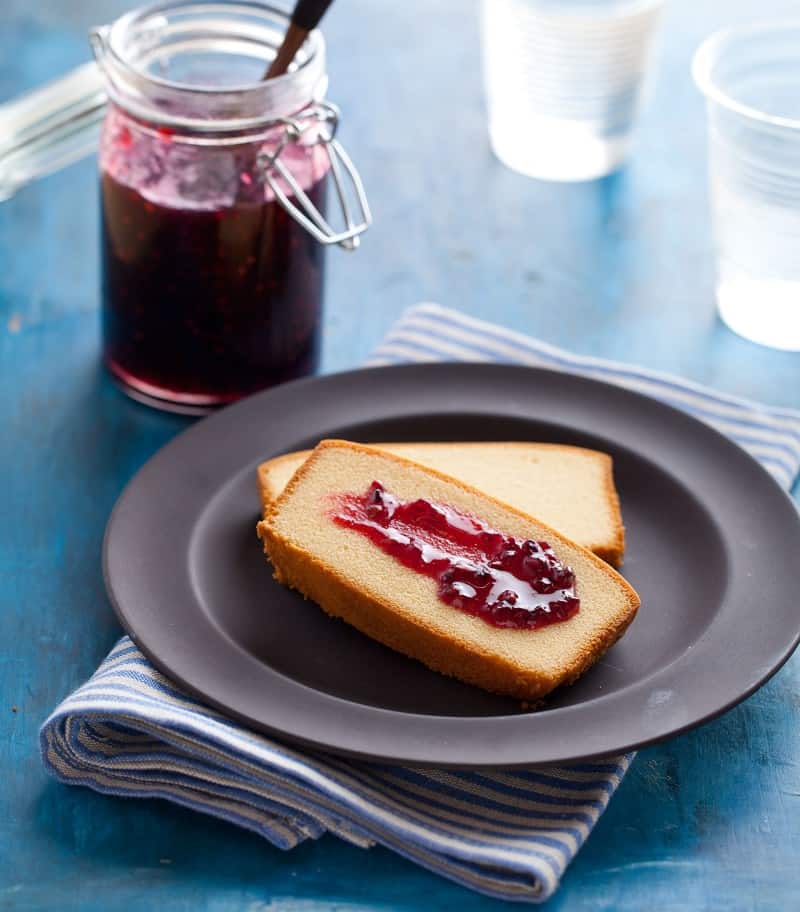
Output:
x,y
130,731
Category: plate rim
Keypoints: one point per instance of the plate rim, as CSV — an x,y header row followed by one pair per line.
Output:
x,y
435,755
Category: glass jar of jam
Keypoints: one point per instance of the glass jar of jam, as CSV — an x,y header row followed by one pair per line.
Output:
x,y
213,198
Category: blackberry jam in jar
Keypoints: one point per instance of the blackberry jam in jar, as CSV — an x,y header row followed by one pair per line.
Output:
x,y
213,199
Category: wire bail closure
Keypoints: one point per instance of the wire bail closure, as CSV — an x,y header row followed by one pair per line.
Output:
x,y
321,118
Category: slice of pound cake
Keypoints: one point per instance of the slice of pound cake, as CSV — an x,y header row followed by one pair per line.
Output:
x,y
567,487
442,572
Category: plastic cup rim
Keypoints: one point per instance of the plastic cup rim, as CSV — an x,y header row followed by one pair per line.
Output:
x,y
708,53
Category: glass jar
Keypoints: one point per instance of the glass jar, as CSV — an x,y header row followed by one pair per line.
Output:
x,y
213,197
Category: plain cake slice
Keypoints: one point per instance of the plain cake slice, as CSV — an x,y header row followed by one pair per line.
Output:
x,y
352,578
567,487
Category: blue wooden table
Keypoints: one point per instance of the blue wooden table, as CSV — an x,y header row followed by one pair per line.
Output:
x,y
619,268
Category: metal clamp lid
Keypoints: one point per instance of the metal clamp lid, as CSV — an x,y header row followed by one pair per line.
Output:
x,y
59,124
317,126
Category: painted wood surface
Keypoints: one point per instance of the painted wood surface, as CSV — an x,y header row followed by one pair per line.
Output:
x,y
619,268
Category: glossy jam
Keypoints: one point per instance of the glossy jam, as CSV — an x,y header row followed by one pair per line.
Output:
x,y
506,581
210,290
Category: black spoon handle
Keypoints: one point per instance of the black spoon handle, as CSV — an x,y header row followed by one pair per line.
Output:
x,y
305,17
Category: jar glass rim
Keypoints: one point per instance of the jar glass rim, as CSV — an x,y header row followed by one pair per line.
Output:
x,y
157,29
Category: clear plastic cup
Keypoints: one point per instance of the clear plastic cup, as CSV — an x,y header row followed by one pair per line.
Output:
x,y
750,76
563,82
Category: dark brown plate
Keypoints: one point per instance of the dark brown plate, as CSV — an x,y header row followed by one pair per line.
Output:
x,y
712,548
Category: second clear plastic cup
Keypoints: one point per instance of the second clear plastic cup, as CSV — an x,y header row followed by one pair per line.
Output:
x,y
563,82
751,79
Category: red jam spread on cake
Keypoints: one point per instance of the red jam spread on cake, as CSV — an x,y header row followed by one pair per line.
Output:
x,y
504,580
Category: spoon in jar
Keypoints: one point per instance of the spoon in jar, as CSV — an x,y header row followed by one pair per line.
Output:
x,y
305,18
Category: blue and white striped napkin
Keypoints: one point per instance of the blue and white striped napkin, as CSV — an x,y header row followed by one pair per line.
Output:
x,y
130,731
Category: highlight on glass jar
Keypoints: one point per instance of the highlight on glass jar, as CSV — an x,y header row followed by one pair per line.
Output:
x,y
214,190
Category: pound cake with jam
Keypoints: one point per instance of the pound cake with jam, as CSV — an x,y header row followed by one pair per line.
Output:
x,y
567,487
442,572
